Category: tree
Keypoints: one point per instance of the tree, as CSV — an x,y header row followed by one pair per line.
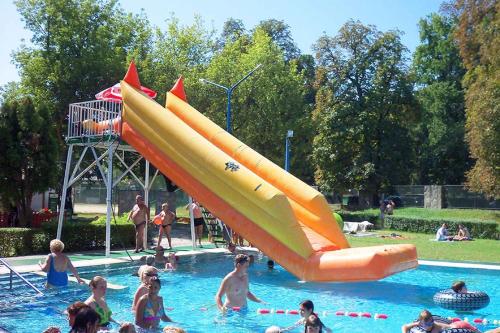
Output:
x,y
264,106
479,44
443,152
281,35
79,48
231,31
29,154
364,111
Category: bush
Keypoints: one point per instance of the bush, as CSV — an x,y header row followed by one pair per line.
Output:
x,y
77,236
477,229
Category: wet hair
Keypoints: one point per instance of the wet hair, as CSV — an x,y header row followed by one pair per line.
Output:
x,y
126,327
313,321
307,304
240,259
425,315
83,318
56,245
150,260
74,308
457,286
270,263
95,280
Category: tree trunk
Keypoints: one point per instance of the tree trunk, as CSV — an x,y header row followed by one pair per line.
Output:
x,y
25,214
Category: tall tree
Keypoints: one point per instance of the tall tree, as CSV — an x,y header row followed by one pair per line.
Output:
x,y
280,34
29,153
443,152
79,48
364,111
267,104
479,43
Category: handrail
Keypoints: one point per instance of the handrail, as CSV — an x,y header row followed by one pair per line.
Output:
x,y
12,270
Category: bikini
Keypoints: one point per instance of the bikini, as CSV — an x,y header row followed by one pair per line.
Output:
x,y
55,278
105,315
149,313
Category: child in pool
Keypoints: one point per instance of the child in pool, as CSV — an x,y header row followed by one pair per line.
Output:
x,y
145,275
150,308
425,322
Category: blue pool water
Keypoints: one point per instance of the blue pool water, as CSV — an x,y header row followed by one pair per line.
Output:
x,y
195,283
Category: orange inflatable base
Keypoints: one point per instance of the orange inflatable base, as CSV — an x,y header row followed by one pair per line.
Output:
x,y
351,264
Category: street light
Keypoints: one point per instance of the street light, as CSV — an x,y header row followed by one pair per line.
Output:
x,y
229,92
289,135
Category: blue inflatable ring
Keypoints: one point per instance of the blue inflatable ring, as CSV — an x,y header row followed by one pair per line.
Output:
x,y
473,300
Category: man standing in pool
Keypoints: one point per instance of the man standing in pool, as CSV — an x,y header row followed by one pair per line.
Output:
x,y
140,216
235,286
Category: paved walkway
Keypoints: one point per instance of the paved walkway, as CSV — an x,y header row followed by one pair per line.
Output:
x,y
181,242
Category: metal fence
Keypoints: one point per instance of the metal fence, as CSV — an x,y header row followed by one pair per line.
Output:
x,y
456,196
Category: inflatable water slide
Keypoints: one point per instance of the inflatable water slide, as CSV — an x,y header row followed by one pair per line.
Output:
x,y
279,214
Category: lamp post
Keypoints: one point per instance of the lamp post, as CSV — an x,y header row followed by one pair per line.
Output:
x,y
229,92
289,135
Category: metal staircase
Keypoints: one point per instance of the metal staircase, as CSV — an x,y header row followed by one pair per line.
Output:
x,y
218,232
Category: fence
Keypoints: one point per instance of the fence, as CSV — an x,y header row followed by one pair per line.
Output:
x,y
456,196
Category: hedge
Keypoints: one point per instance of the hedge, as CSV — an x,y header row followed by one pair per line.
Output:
x,y
77,236
477,229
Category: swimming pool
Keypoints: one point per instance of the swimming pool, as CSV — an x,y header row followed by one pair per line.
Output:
x,y
193,286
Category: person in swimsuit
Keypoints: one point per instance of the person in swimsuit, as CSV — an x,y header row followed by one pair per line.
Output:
x,y
236,286
145,275
306,309
97,300
86,321
198,220
139,216
426,323
150,308
171,264
56,264
167,217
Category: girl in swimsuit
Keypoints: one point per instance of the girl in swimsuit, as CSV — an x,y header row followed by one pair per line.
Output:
x,y
150,309
97,302
145,275
167,218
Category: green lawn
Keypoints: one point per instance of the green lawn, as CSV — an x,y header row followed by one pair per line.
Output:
x,y
451,214
481,250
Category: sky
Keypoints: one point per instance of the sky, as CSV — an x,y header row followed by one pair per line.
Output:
x,y
308,20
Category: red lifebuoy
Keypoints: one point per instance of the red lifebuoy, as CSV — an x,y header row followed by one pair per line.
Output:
x,y
340,313
381,316
279,311
353,314
366,315
293,312
263,311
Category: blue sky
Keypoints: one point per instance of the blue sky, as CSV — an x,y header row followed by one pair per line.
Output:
x,y
308,20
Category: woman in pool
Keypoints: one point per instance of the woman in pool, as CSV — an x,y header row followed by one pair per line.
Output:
x,y
145,275
56,265
306,310
426,323
150,309
97,300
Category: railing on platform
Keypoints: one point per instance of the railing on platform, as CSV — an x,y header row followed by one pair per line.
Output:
x,y
83,118
12,270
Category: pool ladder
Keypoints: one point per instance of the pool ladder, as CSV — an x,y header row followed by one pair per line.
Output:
x,y
12,270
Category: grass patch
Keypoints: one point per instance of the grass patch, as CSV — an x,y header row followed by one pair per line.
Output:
x,y
479,250
441,214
